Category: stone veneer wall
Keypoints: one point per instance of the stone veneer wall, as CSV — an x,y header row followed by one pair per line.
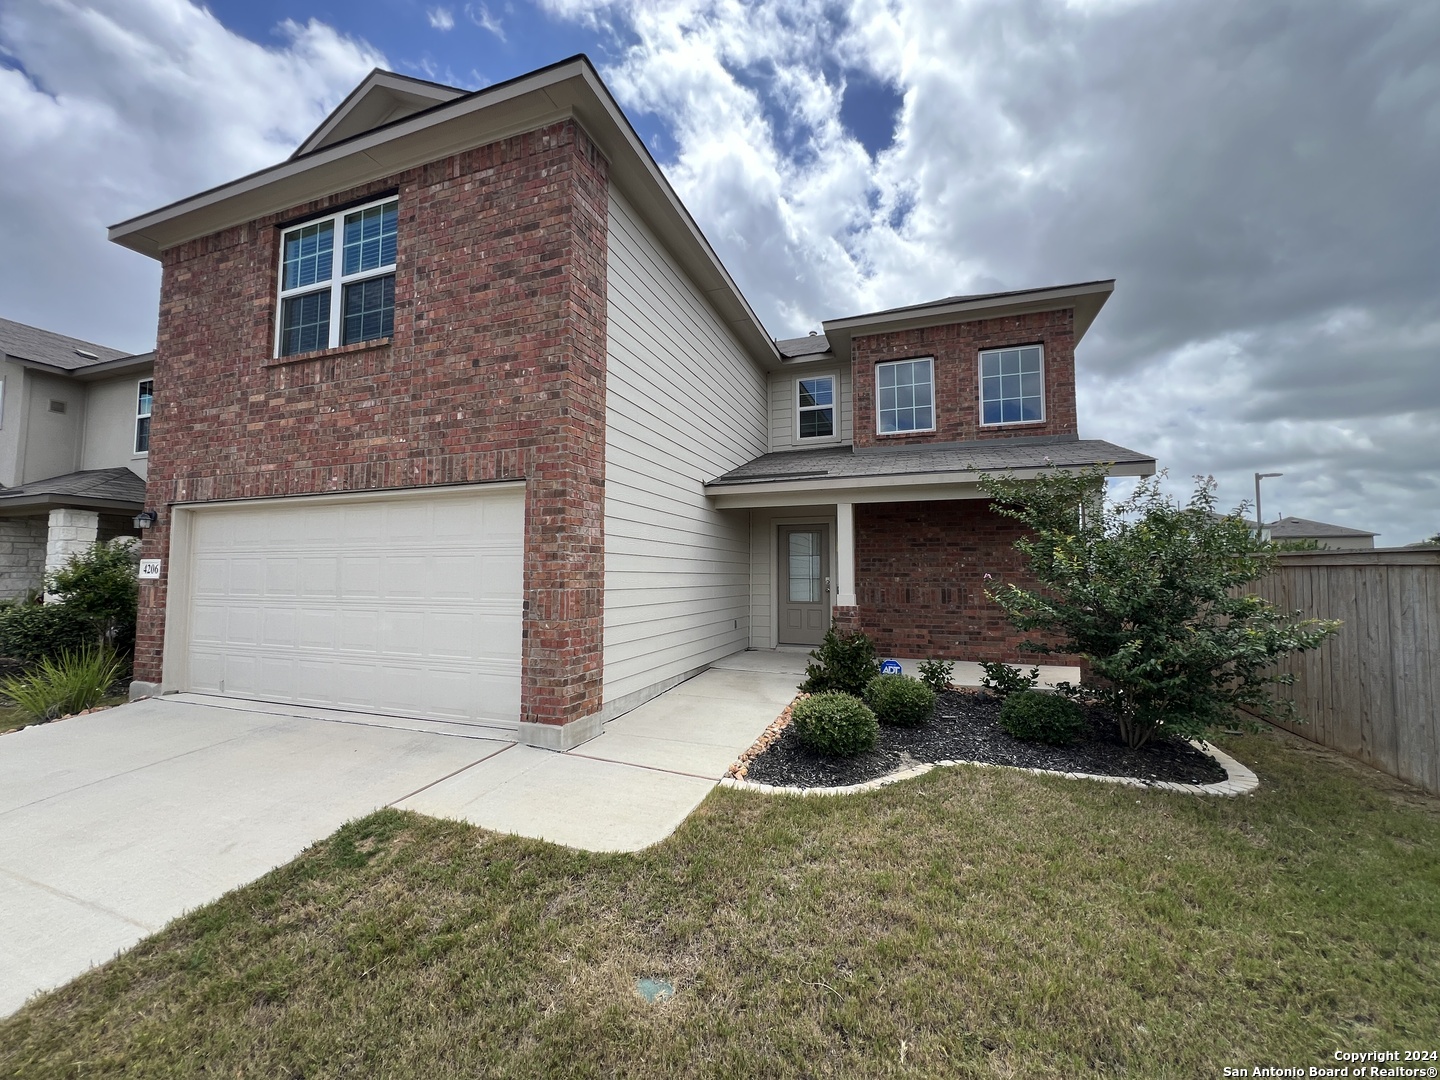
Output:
x,y
956,348
22,555
495,371
920,575
71,532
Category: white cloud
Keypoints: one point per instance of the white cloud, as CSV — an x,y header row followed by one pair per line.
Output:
x,y
441,19
115,107
480,15
1260,183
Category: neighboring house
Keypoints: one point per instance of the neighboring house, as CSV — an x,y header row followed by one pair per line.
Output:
x,y
460,417
74,430
1333,537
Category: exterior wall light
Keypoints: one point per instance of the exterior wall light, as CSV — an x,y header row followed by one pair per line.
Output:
x,y
145,519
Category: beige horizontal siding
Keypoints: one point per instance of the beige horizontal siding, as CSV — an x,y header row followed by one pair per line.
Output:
x,y
782,406
684,403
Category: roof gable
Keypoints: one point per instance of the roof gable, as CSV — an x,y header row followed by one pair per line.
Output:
x,y
382,98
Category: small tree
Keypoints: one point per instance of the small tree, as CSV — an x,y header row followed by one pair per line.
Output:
x,y
1149,592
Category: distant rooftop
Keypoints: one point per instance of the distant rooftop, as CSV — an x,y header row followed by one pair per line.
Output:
x,y
1295,528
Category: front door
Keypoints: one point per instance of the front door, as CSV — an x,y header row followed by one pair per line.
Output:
x,y
804,584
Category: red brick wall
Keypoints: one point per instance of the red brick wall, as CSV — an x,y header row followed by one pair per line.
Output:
x,y
920,576
495,371
956,349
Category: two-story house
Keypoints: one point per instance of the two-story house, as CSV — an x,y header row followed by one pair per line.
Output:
x,y
461,417
74,439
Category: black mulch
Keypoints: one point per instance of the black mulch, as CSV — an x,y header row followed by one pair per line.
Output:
x,y
966,727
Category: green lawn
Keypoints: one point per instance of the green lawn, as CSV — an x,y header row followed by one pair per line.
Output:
x,y
973,922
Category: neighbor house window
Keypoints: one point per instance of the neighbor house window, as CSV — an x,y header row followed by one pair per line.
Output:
x,y
337,279
143,400
1012,386
905,396
815,407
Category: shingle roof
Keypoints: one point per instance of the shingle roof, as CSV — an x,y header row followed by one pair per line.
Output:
x,y
843,462
1294,528
803,346
108,485
57,350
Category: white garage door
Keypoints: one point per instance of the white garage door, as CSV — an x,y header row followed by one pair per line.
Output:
x,y
409,605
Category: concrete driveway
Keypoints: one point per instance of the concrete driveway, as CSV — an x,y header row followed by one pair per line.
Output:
x,y
115,823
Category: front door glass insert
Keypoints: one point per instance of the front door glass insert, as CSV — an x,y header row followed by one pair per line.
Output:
x,y
804,555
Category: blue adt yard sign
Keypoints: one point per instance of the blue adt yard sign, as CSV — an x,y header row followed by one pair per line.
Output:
x,y
889,667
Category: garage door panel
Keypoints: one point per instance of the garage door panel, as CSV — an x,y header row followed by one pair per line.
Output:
x,y
405,605
501,576
282,578
207,624
281,627
242,626
360,576
402,633
318,629
320,577
405,577
359,630
211,574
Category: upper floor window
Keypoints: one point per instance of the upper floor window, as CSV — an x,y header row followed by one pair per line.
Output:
x,y
330,297
1012,386
143,400
815,407
905,396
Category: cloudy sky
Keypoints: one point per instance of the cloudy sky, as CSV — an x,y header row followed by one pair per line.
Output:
x,y
1262,178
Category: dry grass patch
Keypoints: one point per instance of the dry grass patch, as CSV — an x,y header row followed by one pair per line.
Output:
x,y
974,922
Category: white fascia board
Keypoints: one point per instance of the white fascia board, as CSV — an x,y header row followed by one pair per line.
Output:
x,y
918,487
570,89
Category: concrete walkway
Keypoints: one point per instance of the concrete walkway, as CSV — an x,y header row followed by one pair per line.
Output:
x,y
634,784
115,823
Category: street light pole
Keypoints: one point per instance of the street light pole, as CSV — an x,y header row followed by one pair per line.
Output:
x,y
1259,517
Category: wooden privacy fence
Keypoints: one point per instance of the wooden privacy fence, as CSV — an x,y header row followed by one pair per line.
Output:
x,y
1373,690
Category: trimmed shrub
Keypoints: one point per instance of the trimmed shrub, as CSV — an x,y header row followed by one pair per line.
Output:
x,y
899,699
71,684
936,674
846,664
1037,717
1002,680
31,632
835,723
101,585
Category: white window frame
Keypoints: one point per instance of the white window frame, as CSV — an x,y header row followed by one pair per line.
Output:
x,y
980,386
135,442
338,281
834,408
934,402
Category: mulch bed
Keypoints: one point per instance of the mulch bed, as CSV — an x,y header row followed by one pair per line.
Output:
x,y
966,727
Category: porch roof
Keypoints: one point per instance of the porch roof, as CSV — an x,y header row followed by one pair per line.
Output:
x,y
877,471
116,489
